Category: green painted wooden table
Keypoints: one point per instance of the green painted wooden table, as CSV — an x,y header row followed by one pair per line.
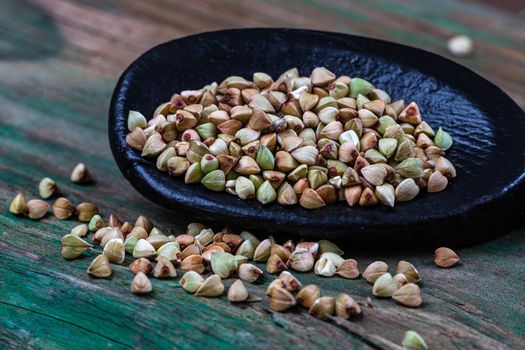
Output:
x,y
59,61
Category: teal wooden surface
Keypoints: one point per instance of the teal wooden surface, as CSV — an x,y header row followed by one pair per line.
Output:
x,y
59,61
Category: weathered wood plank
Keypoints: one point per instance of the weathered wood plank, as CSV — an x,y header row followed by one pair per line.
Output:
x,y
59,61
463,306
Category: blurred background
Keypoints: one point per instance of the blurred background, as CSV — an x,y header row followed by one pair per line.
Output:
x,y
97,39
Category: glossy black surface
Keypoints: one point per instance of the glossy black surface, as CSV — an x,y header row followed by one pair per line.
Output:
x,y
486,199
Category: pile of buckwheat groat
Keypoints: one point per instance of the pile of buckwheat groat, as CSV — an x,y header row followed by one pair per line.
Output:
x,y
297,140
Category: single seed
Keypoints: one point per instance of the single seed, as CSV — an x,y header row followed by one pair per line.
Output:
x,y
136,120
138,232
193,263
346,307
115,251
324,267
109,235
274,264
384,286
445,257
144,222
86,211
312,247
409,271
130,242
413,341
445,167
311,199
192,249
211,287
275,283
208,251
375,174
437,182
281,299
99,234
126,227
349,268
37,209
386,194
47,188
81,174
144,249
460,45
289,281
185,240
80,230
237,292
114,221
408,295
263,250
399,280
322,307
223,264
136,139
141,265
73,246
406,190
249,273
100,267
280,251
301,260
164,269
322,77
374,271
95,224
443,139
141,284
191,281
63,208
308,295
18,205
410,114
170,251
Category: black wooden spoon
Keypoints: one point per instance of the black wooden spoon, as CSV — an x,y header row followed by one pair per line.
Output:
x,y
487,126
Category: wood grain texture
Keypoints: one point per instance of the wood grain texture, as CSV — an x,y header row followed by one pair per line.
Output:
x,y
59,61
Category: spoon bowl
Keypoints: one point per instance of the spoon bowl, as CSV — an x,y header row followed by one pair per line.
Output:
x,y
487,126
